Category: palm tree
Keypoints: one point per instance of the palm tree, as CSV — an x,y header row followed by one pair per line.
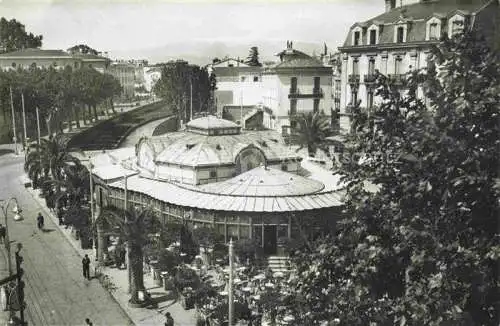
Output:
x,y
312,129
75,187
49,160
133,226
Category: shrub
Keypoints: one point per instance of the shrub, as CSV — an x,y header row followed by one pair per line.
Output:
x,y
246,249
186,277
168,261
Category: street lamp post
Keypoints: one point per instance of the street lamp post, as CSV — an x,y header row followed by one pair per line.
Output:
x,y
5,206
230,296
125,207
13,121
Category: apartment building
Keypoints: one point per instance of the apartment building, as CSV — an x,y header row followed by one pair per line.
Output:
x,y
297,83
124,71
398,41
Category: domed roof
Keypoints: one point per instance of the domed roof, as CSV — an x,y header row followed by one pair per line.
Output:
x,y
211,122
265,182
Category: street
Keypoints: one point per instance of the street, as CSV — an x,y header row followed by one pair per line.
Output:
x,y
56,293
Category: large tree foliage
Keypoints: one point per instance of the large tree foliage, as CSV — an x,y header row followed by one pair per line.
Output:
x,y
181,83
311,130
423,249
13,36
253,57
135,227
59,95
82,48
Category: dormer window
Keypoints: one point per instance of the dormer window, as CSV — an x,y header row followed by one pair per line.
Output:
x,y
373,37
373,32
456,25
356,36
400,34
433,29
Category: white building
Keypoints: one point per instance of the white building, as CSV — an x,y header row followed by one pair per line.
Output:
x,y
151,76
298,83
399,40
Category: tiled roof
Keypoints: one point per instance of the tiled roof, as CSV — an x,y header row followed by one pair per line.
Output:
x,y
294,58
90,57
211,122
418,14
191,149
426,9
36,53
263,181
192,197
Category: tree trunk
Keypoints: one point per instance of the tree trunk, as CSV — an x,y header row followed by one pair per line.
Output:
x,y
77,116
101,242
49,129
94,108
112,106
135,259
89,109
69,116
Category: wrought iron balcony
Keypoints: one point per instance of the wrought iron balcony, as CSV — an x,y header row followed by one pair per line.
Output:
x,y
369,78
354,79
296,93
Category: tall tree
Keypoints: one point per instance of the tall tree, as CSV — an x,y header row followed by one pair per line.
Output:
x,y
13,36
82,48
178,82
424,247
253,57
312,129
134,225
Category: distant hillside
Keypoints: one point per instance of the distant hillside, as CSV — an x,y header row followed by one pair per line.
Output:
x,y
203,52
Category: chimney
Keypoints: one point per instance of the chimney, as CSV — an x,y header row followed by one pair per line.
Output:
x,y
389,5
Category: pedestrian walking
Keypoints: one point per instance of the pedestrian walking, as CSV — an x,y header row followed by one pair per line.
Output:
x,y
86,267
88,322
170,320
2,233
60,214
39,221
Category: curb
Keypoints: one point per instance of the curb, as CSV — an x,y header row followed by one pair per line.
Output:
x,y
54,219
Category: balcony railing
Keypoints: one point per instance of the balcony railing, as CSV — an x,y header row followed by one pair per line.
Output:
x,y
354,79
296,93
397,79
369,78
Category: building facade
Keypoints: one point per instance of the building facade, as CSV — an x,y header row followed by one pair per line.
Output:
x,y
57,59
298,83
152,75
398,41
124,71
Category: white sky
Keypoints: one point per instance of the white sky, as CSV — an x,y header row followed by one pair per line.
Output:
x,y
141,24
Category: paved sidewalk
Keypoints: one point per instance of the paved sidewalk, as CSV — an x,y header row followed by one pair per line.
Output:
x,y
139,316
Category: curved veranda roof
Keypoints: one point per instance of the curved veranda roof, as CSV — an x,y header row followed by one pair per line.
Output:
x,y
191,149
249,195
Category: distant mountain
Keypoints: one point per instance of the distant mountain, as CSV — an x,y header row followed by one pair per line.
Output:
x,y
202,52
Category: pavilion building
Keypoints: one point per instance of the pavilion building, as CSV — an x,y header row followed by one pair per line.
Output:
x,y
244,184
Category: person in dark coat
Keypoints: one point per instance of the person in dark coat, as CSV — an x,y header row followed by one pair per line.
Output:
x,y
88,322
170,320
39,220
60,214
86,267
